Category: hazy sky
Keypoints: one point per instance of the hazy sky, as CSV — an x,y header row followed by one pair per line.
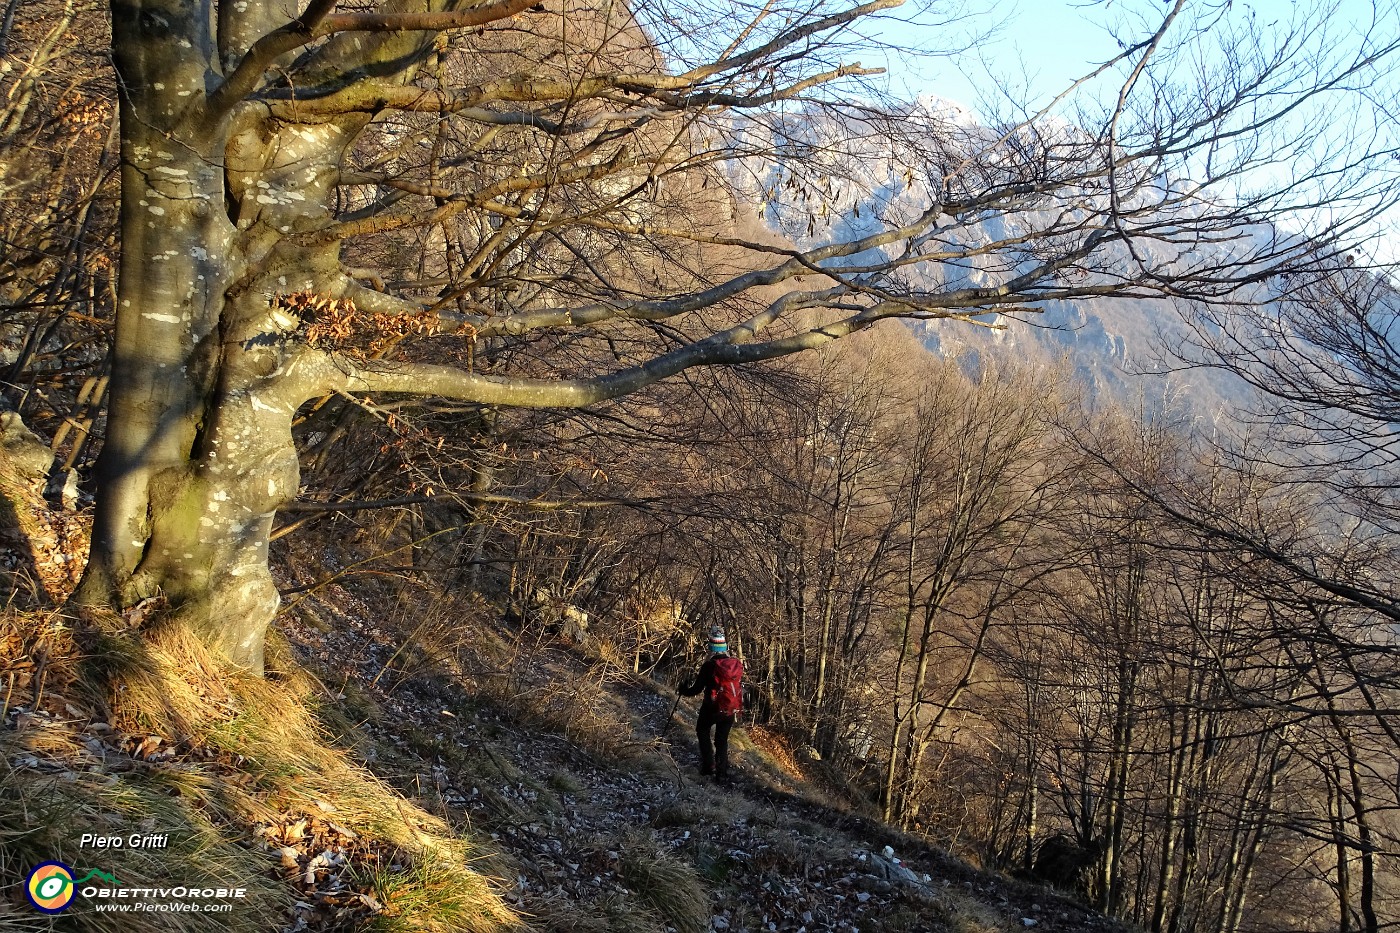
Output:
x,y
1046,44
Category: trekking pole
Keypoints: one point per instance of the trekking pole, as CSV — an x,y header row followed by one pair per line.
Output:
x,y
672,717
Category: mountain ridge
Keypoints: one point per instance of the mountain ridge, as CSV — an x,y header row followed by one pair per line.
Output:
x,y
851,182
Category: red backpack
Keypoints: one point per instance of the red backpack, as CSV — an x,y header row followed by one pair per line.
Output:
x,y
727,694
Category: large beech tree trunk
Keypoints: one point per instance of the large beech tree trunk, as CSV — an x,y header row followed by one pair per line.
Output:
x,y
199,453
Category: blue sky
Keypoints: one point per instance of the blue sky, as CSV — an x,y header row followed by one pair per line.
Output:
x,y
1040,47
1046,44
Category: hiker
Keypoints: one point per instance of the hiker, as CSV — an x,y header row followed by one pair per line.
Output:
x,y
719,677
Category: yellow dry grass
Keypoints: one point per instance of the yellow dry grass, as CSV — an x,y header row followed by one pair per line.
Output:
x,y
250,752
668,886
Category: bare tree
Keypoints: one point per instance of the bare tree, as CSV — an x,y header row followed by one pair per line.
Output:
x,y
268,150
57,166
973,485
1322,355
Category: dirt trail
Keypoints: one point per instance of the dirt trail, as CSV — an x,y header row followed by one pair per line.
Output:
x,y
566,818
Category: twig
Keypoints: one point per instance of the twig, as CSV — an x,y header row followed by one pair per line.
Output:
x,y
41,671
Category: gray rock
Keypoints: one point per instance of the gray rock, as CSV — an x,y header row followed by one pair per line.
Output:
x,y
30,455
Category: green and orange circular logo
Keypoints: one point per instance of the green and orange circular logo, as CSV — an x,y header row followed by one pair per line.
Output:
x,y
50,887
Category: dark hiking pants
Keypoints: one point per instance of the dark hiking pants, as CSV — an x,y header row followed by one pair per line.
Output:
x,y
714,756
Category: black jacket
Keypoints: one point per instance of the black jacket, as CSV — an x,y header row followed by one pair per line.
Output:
x,y
706,680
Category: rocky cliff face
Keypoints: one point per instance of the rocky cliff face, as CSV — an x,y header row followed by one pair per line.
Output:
x,y
847,178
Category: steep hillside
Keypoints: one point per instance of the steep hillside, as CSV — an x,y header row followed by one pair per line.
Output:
x,y
567,761
459,773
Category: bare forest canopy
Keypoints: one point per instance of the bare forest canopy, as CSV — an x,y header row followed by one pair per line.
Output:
x,y
475,295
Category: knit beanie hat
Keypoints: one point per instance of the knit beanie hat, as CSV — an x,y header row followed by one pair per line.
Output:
x,y
717,642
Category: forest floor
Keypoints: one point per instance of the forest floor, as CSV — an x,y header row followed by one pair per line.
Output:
x,y
593,799
414,762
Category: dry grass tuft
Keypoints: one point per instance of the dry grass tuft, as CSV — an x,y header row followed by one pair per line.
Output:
x,y
967,915
583,708
430,896
665,884
42,815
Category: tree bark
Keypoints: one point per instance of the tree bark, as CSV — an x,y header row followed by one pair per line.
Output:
x,y
199,453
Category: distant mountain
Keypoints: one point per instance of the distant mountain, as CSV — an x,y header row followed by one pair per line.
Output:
x,y
850,178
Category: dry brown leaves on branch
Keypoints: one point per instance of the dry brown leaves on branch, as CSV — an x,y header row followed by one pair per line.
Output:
x,y
337,324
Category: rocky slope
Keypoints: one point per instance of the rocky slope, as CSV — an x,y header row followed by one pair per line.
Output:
x,y
845,176
589,792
